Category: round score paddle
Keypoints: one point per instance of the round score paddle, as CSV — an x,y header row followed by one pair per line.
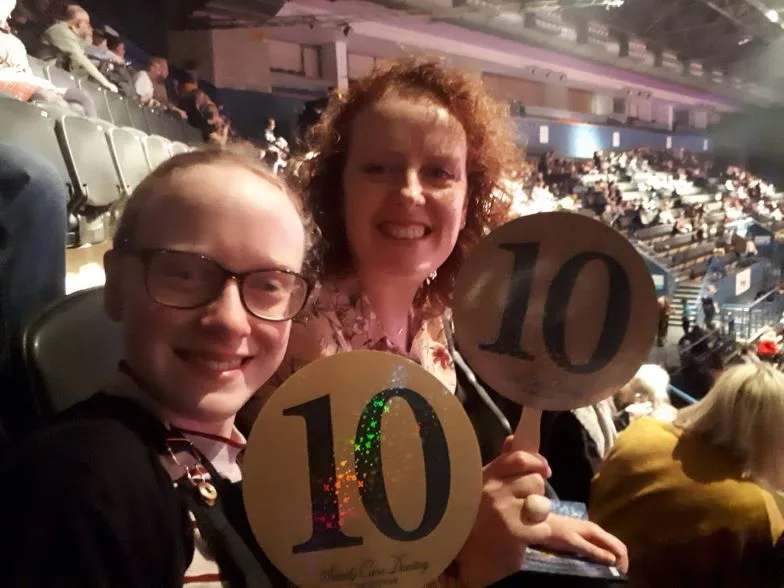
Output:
x,y
362,470
554,311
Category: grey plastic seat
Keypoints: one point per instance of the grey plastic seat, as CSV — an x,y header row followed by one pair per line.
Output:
x,y
118,108
158,150
38,67
191,134
61,78
98,94
33,128
138,118
87,154
177,148
130,157
71,350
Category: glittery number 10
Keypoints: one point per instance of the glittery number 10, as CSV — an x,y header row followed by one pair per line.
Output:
x,y
327,531
558,297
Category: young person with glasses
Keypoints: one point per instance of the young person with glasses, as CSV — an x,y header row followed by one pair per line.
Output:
x,y
139,485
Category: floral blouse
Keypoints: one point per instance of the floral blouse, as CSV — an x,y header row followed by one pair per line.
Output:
x,y
342,319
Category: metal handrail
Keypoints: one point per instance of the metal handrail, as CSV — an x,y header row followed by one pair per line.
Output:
x,y
682,395
705,337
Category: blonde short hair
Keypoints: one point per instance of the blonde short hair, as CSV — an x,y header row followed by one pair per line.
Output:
x,y
239,157
743,415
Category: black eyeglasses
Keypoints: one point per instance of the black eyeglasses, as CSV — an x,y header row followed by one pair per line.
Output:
x,y
180,279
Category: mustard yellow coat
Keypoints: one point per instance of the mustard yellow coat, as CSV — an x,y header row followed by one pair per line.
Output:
x,y
684,512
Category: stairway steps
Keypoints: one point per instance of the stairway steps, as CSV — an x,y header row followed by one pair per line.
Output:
x,y
690,292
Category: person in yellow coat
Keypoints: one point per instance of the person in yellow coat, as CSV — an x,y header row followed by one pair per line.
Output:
x,y
696,501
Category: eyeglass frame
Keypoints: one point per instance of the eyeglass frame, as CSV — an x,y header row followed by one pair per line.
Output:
x,y
145,255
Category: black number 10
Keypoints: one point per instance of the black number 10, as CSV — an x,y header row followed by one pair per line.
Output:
x,y
327,531
616,322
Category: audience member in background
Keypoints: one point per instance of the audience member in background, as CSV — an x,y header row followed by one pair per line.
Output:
x,y
157,69
768,348
695,499
64,42
276,149
97,49
575,443
109,495
404,177
29,21
17,78
716,266
150,85
708,305
204,114
120,75
646,394
663,305
33,220
685,320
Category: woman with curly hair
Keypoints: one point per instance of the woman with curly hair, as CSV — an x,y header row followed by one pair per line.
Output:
x,y
404,179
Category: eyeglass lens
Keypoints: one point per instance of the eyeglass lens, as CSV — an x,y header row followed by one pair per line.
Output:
x,y
188,280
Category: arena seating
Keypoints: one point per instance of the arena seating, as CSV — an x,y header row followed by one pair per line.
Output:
x,y
100,160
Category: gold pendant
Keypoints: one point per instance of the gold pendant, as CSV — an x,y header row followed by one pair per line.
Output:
x,y
208,492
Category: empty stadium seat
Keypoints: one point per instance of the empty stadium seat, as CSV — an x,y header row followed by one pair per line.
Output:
x,y
38,67
130,158
119,109
177,148
658,231
191,134
98,94
87,153
71,350
33,128
60,77
138,119
173,127
158,150
155,122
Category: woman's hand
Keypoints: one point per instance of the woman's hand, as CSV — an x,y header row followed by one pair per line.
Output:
x,y
585,538
504,526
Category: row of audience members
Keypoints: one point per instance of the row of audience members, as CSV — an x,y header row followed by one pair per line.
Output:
x,y
71,43
103,497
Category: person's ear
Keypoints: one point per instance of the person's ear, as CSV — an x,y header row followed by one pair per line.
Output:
x,y
113,289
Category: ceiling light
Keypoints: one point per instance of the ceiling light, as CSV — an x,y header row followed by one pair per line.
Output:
x,y
773,16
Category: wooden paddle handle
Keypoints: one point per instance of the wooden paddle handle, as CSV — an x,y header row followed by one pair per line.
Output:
x,y
527,436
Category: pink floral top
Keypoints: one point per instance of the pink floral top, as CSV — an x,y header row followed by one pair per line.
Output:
x,y
342,319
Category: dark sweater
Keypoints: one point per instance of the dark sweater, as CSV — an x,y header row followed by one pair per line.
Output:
x,y
86,503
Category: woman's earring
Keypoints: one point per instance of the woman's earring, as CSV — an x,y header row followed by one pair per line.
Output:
x,y
431,277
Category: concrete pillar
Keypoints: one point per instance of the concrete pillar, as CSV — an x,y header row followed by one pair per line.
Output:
x,y
334,64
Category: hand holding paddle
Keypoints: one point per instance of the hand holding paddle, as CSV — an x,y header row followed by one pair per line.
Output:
x,y
553,311
362,470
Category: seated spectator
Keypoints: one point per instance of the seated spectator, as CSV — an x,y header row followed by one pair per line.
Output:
x,y
29,21
716,265
120,75
150,85
768,348
62,44
33,221
694,500
646,394
108,495
204,115
575,443
17,78
98,50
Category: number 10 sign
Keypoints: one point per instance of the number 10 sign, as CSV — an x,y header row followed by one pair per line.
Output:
x,y
362,470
